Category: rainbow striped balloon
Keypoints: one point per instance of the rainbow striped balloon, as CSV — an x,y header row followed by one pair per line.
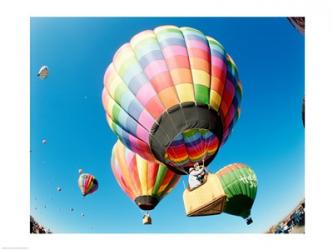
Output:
x,y
87,184
173,95
145,182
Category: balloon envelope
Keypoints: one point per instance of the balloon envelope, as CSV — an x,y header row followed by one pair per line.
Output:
x,y
145,182
87,184
240,185
298,23
43,72
173,95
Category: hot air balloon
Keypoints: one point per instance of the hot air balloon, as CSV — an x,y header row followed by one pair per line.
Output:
x,y
44,141
80,171
71,209
298,23
87,184
145,182
58,189
43,72
240,185
172,95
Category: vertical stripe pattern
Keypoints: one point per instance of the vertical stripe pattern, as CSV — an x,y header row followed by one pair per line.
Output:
x,y
139,177
87,184
193,145
240,185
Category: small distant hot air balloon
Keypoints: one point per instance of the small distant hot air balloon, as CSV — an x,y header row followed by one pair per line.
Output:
x,y
71,209
43,72
240,185
82,214
172,95
44,141
80,171
87,184
298,23
145,182
58,189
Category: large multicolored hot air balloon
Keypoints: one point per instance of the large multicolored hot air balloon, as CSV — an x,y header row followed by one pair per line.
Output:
x,y
145,182
173,95
87,184
298,23
240,185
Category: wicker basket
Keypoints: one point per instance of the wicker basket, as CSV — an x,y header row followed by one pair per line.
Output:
x,y
207,199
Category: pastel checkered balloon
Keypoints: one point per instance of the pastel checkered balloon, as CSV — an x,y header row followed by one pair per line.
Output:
x,y
172,95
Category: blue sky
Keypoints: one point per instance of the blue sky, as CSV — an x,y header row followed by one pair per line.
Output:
x,y
66,109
